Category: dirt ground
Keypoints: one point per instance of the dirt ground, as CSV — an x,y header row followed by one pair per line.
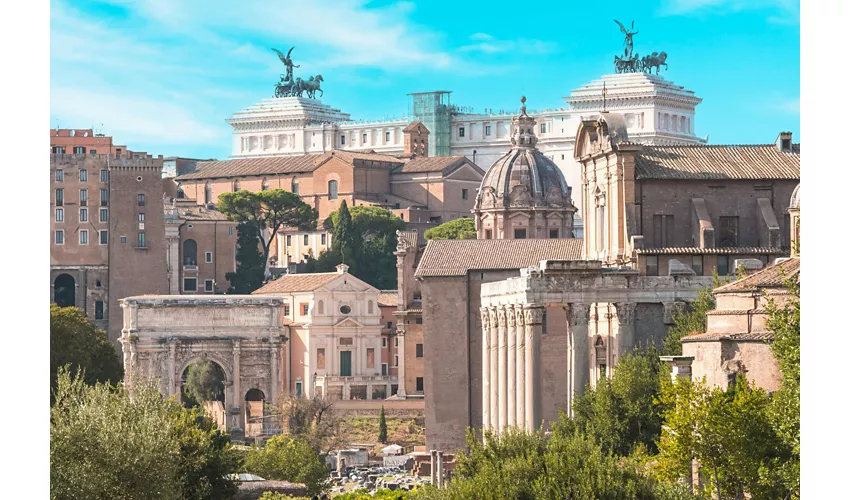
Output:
x,y
405,432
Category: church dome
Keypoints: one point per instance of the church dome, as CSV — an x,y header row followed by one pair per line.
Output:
x,y
523,175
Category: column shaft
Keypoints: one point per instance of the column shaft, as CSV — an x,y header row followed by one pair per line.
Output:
x,y
579,372
503,368
520,368
494,368
511,365
485,369
533,328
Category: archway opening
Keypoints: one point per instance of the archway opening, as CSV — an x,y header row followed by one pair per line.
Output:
x,y
202,381
64,291
255,402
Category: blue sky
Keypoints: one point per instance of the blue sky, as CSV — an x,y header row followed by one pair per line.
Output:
x,y
162,75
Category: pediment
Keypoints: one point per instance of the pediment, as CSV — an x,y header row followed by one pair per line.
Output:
x,y
348,323
465,172
347,283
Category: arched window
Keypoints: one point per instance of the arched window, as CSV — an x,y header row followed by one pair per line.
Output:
x,y
321,307
180,193
371,308
190,253
236,185
64,291
208,193
332,190
265,186
295,185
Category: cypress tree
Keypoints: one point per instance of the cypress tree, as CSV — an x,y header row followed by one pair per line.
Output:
x,y
344,239
382,427
250,265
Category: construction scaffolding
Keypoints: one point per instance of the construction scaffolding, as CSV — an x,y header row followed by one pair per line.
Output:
x,y
433,109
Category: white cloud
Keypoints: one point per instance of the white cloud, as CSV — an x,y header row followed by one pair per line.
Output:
x,y
490,45
784,11
790,106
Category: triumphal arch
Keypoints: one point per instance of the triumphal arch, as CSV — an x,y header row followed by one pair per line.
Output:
x,y
243,334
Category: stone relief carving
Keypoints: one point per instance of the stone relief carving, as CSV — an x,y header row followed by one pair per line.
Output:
x,y
500,312
519,197
511,316
485,318
626,312
579,314
520,317
491,311
488,198
533,315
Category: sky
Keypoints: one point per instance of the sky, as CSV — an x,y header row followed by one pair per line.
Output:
x,y
161,76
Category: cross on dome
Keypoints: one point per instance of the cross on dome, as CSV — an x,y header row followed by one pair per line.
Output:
x,y
522,129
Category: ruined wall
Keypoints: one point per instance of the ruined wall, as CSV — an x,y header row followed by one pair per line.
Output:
x,y
650,327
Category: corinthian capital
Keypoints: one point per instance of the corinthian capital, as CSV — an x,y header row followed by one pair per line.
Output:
x,y
485,318
520,316
502,316
533,314
509,311
579,314
626,312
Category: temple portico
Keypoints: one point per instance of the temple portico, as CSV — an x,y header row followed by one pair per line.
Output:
x,y
523,317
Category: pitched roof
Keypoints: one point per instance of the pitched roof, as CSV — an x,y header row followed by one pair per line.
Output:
x,y
367,155
202,214
288,283
770,277
718,251
456,257
762,161
434,164
702,337
255,166
388,298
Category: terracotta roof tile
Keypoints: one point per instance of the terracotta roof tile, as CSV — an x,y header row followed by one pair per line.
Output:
x,y
763,161
456,257
434,164
721,251
368,155
305,282
703,337
770,277
388,298
255,166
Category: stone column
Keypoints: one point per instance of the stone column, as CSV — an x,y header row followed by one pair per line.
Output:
x,y
520,367
625,327
402,393
172,368
274,380
237,386
439,469
173,257
494,368
511,365
533,331
434,467
485,368
503,367
578,373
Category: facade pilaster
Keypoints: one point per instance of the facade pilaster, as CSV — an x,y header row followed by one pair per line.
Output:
x,y
520,367
494,368
237,383
274,355
533,332
485,368
578,373
511,365
503,366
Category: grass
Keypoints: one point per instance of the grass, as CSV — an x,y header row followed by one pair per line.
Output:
x,y
405,432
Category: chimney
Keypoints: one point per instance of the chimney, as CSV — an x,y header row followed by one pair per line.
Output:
x,y
341,269
783,142
416,139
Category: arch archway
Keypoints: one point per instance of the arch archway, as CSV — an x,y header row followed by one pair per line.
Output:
x,y
65,291
180,193
190,253
211,379
255,403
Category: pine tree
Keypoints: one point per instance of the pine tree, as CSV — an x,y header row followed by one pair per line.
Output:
x,y
250,264
382,428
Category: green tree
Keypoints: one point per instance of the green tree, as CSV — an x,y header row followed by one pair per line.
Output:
x,y
75,342
382,427
619,413
727,431
250,266
204,381
268,210
458,229
692,319
345,241
105,444
287,458
784,323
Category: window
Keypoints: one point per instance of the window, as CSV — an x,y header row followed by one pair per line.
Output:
x,y
324,238
384,341
345,310
97,283
60,175
519,234
384,369
389,324
652,265
104,236
289,240
208,285
342,140
60,237
305,309
395,344
84,175
320,358
387,137
98,309
141,198
59,150
298,386
265,186
208,257
141,216
395,360
365,138
370,357
723,265
60,215
84,197
190,284
306,239
461,131
786,144
419,350
142,242
208,193
487,130
332,190
553,233
104,197
230,230
84,237
92,152
79,150
543,323
60,197
542,128
123,240
286,309
488,234
662,230
104,176
236,186
696,264
464,193
728,232
295,185
84,215
420,384
190,253
419,320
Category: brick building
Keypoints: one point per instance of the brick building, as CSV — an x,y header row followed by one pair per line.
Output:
x,y
85,141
